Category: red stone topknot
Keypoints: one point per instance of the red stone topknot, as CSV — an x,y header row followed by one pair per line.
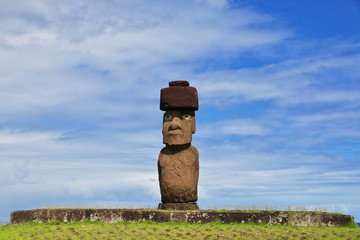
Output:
x,y
179,95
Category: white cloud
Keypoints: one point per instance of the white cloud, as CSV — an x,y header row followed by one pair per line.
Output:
x,y
301,81
215,3
48,165
321,117
231,127
73,53
14,136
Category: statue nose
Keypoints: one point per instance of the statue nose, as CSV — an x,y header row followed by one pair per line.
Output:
x,y
175,124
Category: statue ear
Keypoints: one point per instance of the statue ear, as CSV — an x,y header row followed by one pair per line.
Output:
x,y
163,128
193,125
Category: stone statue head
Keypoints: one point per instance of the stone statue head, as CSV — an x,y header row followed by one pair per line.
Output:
x,y
178,127
180,103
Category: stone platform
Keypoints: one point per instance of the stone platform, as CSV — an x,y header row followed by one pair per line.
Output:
x,y
195,216
178,206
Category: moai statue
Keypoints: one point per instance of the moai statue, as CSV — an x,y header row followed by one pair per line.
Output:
x,y
178,163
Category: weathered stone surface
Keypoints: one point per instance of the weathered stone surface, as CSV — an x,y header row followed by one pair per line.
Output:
x,y
178,127
179,83
178,174
21,217
179,206
179,96
335,219
196,216
178,163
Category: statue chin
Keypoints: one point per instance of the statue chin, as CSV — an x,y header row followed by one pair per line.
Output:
x,y
176,140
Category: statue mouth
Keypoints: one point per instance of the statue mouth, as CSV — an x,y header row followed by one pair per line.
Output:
x,y
175,132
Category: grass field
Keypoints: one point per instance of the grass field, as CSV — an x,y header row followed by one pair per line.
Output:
x,y
170,230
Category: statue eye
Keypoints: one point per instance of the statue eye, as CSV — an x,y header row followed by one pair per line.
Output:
x,y
168,117
185,116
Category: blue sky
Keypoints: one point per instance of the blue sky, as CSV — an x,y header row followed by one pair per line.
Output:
x,y
279,95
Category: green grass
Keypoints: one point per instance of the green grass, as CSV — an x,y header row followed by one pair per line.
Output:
x,y
170,230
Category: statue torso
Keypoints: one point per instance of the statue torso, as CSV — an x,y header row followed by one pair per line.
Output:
x,y
178,174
